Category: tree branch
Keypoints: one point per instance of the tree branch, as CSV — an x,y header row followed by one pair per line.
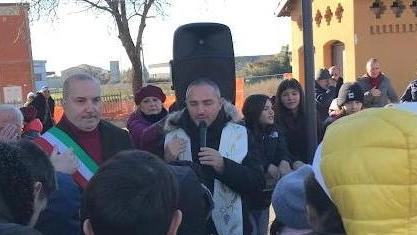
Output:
x,y
96,5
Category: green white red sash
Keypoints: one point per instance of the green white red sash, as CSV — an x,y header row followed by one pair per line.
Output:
x,y
56,137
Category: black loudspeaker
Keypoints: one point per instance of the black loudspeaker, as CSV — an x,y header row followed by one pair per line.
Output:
x,y
203,50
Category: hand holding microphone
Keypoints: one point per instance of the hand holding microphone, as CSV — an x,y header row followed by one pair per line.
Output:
x,y
209,156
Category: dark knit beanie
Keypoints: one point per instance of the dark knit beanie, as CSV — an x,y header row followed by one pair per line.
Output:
x,y
350,92
322,74
29,113
149,91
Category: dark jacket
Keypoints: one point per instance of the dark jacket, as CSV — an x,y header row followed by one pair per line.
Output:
x,y
62,214
17,229
195,200
241,178
273,149
323,99
410,94
330,120
146,135
295,131
7,227
114,139
39,102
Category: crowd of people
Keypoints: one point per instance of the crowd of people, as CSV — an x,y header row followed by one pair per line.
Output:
x,y
205,169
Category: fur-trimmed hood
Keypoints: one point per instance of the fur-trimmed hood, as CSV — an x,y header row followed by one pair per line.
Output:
x,y
230,110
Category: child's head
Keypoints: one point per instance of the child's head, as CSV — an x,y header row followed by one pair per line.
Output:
x,y
350,98
27,178
132,193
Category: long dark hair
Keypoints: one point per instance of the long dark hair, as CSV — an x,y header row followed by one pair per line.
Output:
x,y
328,220
281,112
252,109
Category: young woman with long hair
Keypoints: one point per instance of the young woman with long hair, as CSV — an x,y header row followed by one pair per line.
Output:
x,y
290,118
274,154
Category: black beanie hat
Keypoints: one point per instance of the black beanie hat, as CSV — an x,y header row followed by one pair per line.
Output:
x,y
350,92
322,74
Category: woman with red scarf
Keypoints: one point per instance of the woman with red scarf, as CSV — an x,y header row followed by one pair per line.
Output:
x,y
377,88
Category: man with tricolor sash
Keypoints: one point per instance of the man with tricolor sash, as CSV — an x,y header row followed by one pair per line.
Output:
x,y
91,139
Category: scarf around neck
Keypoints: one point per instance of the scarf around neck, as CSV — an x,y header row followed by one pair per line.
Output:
x,y
153,118
375,82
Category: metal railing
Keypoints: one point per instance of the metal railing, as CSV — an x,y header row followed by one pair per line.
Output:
x,y
114,105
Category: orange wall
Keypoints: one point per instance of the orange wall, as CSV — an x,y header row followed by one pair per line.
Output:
x,y
15,49
324,34
396,50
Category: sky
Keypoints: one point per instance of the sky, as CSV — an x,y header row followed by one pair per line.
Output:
x,y
87,38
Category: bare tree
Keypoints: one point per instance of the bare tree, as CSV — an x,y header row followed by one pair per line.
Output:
x,y
122,12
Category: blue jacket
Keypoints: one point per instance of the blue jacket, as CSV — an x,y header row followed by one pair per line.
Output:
x,y
62,212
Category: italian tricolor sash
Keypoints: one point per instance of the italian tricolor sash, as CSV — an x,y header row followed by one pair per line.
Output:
x,y
58,138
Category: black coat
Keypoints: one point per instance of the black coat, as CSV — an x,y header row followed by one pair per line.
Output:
x,y
114,139
410,94
62,216
195,200
7,227
323,100
17,229
39,102
295,131
241,178
273,148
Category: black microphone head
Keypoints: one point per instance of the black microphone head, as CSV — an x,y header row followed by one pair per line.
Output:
x,y
202,128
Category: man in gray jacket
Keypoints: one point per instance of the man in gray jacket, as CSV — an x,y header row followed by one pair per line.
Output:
x,y
377,88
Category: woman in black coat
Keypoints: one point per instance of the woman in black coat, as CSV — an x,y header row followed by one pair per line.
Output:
x,y
275,157
290,117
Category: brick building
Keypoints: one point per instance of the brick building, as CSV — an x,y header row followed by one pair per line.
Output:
x,y
16,68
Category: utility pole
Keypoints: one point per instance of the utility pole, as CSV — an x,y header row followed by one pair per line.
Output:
x,y
310,104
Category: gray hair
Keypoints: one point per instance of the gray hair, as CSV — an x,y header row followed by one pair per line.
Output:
x,y
13,109
372,61
76,76
202,81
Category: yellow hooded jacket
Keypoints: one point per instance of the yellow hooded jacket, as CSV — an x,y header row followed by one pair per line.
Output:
x,y
369,166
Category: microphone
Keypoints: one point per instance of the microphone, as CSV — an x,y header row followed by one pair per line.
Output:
x,y
202,129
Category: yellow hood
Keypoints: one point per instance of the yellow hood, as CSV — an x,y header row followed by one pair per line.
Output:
x,y
369,166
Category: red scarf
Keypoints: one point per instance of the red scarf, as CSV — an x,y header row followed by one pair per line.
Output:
x,y
375,82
